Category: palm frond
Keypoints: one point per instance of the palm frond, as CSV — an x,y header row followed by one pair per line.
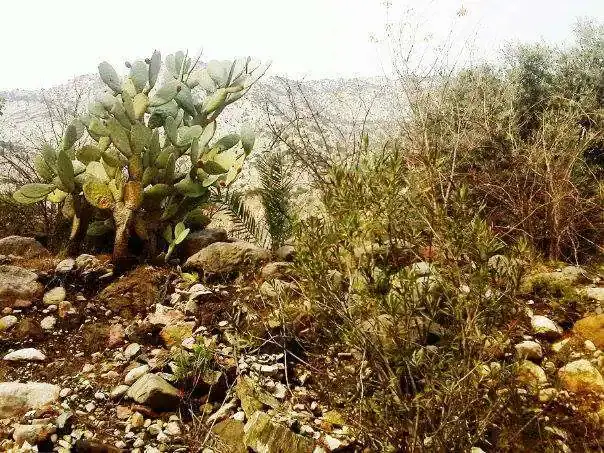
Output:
x,y
232,203
276,187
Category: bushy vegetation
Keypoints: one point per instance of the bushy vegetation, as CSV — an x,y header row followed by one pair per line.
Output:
x,y
417,256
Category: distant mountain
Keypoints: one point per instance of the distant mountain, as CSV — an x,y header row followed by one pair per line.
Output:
x,y
341,101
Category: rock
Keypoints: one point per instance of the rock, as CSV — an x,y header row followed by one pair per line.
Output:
x,y
173,429
555,282
422,269
119,391
16,398
117,335
25,247
252,397
6,322
165,316
286,253
18,283
198,240
65,308
545,327
137,420
229,434
174,334
595,293
87,263
275,270
155,392
136,373
54,296
581,376
591,328
529,350
530,375
48,323
91,446
33,434
65,266
25,354
261,434
132,350
224,258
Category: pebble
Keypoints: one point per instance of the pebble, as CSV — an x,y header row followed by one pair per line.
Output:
x,y
132,350
48,323
173,429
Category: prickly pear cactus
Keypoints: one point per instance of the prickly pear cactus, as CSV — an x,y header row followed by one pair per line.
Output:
x,y
151,157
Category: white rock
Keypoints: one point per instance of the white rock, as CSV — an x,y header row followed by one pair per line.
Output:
x,y
544,326
90,407
25,354
54,296
65,266
529,350
173,429
239,416
6,322
136,373
132,350
48,323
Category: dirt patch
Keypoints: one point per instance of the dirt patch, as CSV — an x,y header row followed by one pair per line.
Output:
x,y
137,291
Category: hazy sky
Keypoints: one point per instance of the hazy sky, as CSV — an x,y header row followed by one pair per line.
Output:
x,y
45,42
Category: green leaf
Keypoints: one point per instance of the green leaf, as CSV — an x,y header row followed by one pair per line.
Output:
x,y
32,193
186,134
226,142
154,67
247,138
88,153
180,233
214,101
65,170
171,129
139,73
184,98
110,77
190,188
208,134
140,104
97,171
43,170
165,94
98,194
70,136
119,137
56,196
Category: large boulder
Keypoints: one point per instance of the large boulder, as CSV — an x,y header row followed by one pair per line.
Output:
x,y
581,376
17,283
153,391
199,240
591,328
263,435
224,258
22,246
596,293
16,398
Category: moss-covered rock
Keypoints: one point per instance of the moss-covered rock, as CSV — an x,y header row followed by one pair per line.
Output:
x,y
263,435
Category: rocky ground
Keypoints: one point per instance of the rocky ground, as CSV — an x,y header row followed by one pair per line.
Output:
x,y
154,360
159,360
